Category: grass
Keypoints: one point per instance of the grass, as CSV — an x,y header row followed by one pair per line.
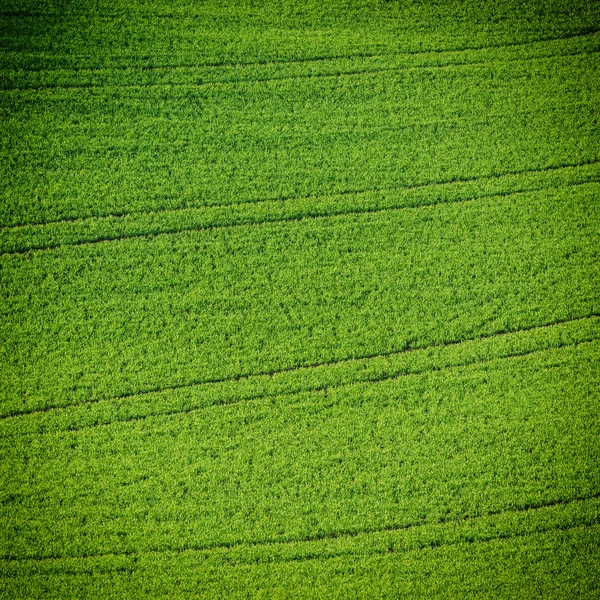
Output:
x,y
299,299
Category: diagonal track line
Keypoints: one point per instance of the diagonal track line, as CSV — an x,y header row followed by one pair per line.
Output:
x,y
303,60
280,394
333,75
295,368
366,131
417,547
344,554
245,221
318,388
331,535
409,187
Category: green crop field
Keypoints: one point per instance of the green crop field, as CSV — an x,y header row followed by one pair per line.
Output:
x,y
299,299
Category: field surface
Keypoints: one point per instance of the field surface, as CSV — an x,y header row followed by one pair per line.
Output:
x,y
299,299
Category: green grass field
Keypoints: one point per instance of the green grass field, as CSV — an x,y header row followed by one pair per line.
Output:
x,y
300,299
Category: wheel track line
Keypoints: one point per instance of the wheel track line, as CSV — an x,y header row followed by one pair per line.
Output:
x,y
410,187
292,218
256,397
336,74
296,368
416,548
281,394
348,533
362,55
349,553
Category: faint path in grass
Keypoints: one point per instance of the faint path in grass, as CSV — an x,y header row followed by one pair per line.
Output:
x,y
408,349
310,59
529,508
244,220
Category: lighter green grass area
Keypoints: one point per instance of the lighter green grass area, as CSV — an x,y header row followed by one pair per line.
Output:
x,y
299,299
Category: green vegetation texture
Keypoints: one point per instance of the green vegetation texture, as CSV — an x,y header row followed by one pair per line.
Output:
x,y
299,299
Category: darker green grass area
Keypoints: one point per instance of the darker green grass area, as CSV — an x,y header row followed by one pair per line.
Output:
x,y
299,299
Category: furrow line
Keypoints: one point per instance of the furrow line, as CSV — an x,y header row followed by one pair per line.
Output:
x,y
324,387
290,219
399,188
336,74
280,394
348,533
130,570
303,60
418,547
295,368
